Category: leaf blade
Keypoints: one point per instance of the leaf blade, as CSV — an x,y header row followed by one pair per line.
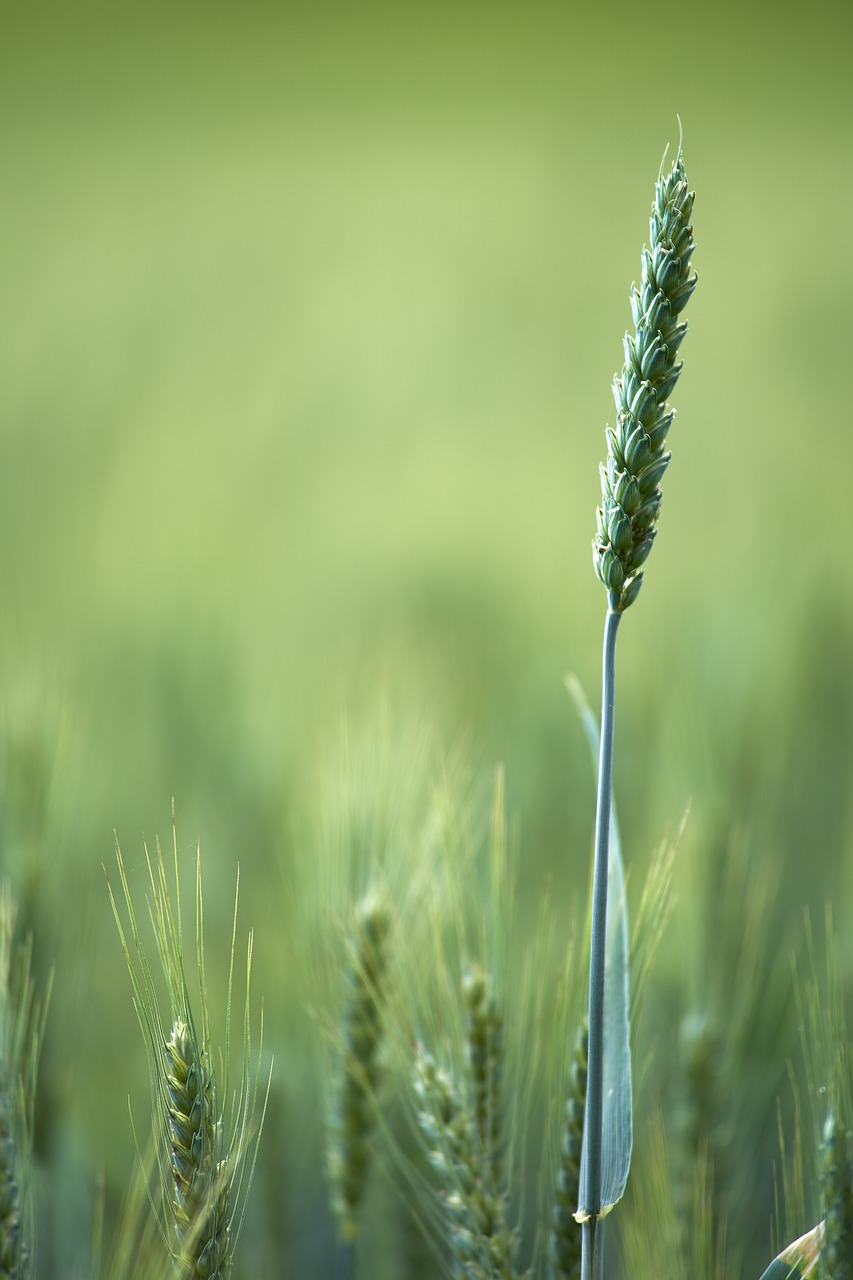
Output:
x,y
617,1119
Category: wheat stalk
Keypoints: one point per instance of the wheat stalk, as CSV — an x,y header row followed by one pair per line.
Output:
x,y
636,461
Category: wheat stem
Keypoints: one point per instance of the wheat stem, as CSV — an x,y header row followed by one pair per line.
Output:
x,y
598,943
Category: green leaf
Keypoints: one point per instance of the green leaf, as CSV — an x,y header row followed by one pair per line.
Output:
x,y
799,1260
617,1126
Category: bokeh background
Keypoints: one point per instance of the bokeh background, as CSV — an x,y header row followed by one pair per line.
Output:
x,y
309,316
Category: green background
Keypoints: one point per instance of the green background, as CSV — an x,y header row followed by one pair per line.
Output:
x,y
308,317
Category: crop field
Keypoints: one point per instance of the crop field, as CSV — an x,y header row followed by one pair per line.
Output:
x,y
309,317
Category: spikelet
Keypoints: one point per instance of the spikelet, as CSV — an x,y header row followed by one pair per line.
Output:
x,y
361,1031
636,457
21,1025
202,1151
564,1245
837,1201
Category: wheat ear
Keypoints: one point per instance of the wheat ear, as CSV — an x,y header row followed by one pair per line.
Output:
x,y
837,1201
462,1128
484,1059
636,457
474,1211
22,1016
361,1033
564,1245
631,498
203,1152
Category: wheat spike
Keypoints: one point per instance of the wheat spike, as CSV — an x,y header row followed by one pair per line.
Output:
x,y
361,1028
202,1152
837,1198
636,457
484,1056
481,1243
22,1016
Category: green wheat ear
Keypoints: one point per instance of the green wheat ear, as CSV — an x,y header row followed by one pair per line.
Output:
x,y
203,1129
21,1026
361,1033
837,1201
473,1206
564,1245
636,457
484,1054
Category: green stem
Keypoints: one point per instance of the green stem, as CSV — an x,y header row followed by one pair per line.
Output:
x,y
592,1139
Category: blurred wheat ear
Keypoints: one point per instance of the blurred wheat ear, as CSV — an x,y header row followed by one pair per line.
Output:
x,y
564,1246
462,1130
206,1147
22,1015
484,1053
837,1201
353,1114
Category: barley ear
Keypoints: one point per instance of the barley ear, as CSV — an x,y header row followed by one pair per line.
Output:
x,y
564,1246
361,1035
837,1201
636,454
22,1016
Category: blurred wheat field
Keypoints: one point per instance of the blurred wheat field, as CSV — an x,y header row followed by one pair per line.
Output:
x,y
307,326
